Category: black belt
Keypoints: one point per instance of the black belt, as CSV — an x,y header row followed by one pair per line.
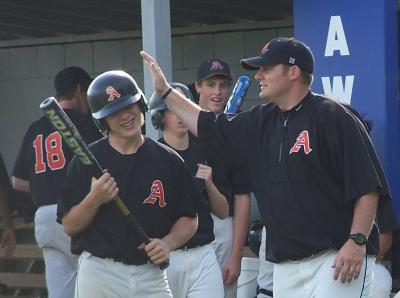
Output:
x,y
130,262
265,292
189,246
186,247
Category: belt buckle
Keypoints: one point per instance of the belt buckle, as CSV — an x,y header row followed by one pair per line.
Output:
x,y
183,248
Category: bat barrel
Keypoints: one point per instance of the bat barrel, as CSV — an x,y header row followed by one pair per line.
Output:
x,y
238,93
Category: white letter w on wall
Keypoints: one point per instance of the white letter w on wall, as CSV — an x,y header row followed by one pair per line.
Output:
x,y
336,90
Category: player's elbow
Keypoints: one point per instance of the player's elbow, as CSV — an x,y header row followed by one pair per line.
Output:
x,y
70,231
20,184
70,228
220,209
222,213
193,224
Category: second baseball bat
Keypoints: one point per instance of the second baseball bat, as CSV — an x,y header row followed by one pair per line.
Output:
x,y
238,93
75,142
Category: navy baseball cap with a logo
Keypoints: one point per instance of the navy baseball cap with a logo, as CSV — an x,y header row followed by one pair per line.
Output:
x,y
282,50
213,67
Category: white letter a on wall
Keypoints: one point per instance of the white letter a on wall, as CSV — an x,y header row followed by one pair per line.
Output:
x,y
336,40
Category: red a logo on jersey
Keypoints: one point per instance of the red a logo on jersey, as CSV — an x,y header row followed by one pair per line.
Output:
x,y
302,141
157,193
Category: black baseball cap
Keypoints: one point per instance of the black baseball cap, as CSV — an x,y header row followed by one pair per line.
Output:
x,y
69,78
282,50
213,67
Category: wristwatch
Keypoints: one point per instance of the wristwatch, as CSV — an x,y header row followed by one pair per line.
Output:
x,y
359,238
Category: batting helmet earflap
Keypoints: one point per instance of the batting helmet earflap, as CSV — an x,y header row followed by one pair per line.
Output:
x,y
158,111
110,92
254,236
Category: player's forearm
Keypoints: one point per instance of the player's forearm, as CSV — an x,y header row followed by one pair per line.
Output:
x,y
20,184
181,232
80,216
218,202
364,213
240,223
186,110
385,243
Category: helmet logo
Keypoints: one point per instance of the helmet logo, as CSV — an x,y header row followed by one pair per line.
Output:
x,y
112,93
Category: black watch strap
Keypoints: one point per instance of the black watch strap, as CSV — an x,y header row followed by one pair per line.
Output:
x,y
359,238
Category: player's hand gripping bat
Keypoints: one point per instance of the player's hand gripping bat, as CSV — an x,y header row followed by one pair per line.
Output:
x,y
75,142
238,94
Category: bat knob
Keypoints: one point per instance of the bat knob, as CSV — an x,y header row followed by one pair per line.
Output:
x,y
164,265
47,102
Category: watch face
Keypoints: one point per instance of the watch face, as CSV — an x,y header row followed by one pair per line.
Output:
x,y
359,238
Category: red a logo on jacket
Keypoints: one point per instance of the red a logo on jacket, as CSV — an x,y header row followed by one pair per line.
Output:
x,y
302,141
157,193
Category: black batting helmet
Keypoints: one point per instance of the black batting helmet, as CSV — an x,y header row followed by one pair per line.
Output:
x,y
112,91
158,111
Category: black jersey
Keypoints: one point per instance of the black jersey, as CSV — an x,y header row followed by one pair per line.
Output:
x,y
192,156
5,183
307,167
230,180
4,179
386,218
43,157
155,185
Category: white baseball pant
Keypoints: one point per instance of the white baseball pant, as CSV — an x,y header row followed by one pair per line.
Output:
x,y
195,273
382,282
223,231
265,269
105,278
313,277
60,263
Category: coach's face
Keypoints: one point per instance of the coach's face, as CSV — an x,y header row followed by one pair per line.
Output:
x,y
127,122
214,93
274,82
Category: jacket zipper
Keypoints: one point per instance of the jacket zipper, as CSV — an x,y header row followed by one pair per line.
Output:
x,y
283,138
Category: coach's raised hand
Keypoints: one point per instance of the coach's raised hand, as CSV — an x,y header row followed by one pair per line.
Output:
x,y
160,82
183,107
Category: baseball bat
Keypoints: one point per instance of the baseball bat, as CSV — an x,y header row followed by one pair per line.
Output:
x,y
237,95
75,142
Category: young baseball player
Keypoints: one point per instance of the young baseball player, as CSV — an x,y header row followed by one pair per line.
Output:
x,y
194,270
213,84
8,240
316,176
40,169
153,182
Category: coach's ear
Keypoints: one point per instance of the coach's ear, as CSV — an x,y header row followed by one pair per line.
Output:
x,y
294,72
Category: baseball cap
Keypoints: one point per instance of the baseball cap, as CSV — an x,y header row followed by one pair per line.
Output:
x,y
213,67
68,78
282,50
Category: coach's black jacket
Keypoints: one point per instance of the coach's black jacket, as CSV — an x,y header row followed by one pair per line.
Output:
x,y
307,166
